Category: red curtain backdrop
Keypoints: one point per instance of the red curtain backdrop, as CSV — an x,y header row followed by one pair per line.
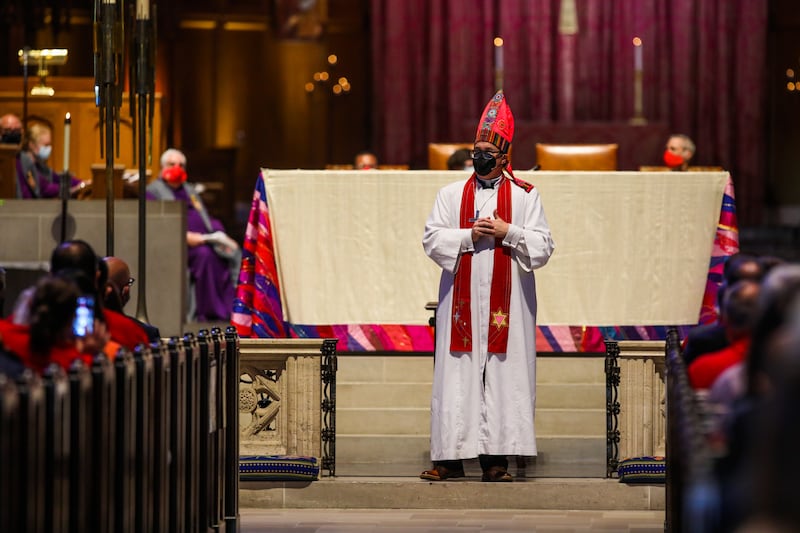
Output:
x,y
703,74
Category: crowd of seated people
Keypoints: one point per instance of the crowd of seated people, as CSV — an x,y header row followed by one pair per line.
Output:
x,y
746,371
65,317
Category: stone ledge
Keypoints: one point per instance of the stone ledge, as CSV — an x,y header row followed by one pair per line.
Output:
x,y
467,493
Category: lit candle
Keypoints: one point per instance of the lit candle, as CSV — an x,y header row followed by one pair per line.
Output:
x,y
67,122
143,9
637,54
498,53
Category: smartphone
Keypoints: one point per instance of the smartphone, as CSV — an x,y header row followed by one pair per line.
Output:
x,y
83,324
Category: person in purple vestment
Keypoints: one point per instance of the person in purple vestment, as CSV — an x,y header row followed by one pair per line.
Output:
x,y
34,178
213,257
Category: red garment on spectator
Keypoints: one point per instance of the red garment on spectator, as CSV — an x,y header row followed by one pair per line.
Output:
x,y
704,370
124,330
16,338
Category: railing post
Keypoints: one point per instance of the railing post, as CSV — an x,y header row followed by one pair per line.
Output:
x,y
612,407
329,365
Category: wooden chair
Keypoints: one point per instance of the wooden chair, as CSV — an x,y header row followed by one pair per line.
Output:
x,y
438,153
690,169
576,156
8,170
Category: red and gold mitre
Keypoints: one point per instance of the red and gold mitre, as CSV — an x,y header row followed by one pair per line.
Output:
x,y
497,123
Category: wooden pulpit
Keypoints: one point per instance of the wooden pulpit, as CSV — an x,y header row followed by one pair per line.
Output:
x,y
8,170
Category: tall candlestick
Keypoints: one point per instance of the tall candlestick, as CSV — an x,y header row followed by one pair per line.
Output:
x,y
637,54
67,122
498,63
143,9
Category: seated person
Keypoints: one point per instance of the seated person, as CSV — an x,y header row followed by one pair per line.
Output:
x,y
10,129
214,258
739,313
711,337
679,151
117,293
365,160
34,178
49,337
461,159
75,260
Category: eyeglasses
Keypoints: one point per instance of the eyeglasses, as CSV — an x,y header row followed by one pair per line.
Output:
x,y
481,154
130,282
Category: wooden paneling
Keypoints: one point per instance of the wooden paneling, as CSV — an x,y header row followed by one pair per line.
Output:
x,y
76,97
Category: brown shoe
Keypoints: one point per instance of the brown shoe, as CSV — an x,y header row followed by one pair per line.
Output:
x,y
440,473
496,474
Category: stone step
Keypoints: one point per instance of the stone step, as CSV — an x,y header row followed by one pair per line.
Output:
x,y
418,395
416,421
391,455
466,493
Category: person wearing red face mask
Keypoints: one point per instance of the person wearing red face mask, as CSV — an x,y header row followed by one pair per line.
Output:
x,y
213,257
365,161
679,151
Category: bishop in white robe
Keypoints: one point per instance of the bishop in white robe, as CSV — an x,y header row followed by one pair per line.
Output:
x,y
484,385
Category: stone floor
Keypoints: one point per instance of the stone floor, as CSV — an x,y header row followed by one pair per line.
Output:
x,y
461,521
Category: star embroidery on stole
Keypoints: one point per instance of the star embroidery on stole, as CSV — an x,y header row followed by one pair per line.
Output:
x,y
500,319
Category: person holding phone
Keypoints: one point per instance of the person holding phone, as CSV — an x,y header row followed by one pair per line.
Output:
x,y
50,337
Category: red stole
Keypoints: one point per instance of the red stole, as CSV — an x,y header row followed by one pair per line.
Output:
x,y
500,295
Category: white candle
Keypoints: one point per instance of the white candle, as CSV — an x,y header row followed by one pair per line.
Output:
x,y
67,122
143,9
637,54
498,53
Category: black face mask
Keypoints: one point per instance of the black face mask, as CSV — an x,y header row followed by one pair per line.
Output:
x,y
484,166
11,137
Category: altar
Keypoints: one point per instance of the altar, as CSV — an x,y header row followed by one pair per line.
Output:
x,y
339,254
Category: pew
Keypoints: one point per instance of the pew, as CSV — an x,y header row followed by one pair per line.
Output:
x,y
177,435
11,473
56,465
145,486
688,453
138,443
81,459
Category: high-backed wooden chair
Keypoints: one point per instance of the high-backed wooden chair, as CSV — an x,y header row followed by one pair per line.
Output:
x,y
576,156
439,153
8,170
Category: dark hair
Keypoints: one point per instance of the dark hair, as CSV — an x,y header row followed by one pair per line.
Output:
x,y
740,304
458,158
74,255
738,266
52,309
